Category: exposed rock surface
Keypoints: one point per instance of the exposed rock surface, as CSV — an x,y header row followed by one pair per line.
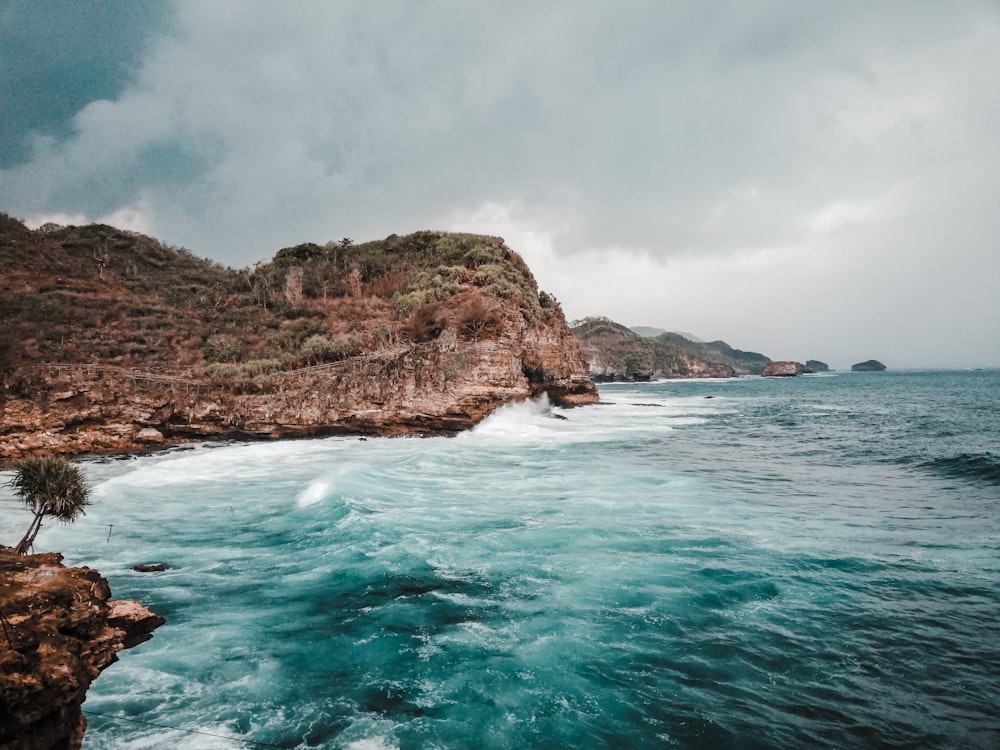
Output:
x,y
784,369
60,630
871,365
112,342
417,389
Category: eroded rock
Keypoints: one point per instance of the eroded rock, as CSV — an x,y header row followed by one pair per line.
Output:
x,y
60,630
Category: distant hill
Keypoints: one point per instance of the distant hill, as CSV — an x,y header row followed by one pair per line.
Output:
x,y
651,332
745,363
647,331
616,353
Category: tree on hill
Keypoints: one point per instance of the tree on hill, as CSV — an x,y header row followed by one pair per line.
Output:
x,y
49,486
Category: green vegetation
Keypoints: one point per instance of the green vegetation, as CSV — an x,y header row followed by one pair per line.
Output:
x,y
49,486
716,351
96,294
636,357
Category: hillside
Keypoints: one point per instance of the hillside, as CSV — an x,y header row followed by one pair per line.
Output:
x,y
616,353
111,340
745,363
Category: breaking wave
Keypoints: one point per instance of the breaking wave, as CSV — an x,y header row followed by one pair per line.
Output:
x,y
982,467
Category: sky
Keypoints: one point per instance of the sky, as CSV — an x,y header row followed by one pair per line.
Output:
x,y
806,179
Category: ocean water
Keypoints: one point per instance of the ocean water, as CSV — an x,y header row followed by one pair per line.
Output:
x,y
751,563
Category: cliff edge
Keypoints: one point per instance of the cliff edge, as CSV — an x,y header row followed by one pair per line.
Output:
x,y
60,629
113,342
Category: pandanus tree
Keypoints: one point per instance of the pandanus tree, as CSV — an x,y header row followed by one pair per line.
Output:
x,y
49,486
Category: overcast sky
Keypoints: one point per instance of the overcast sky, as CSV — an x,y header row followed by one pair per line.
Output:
x,y
805,179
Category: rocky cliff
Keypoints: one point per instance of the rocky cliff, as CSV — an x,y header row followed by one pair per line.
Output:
x,y
114,342
784,369
60,629
615,353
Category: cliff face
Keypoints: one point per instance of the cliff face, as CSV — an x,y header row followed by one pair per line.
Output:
x,y
615,353
113,342
784,369
60,630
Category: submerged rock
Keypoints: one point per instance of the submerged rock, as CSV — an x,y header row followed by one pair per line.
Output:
x,y
151,567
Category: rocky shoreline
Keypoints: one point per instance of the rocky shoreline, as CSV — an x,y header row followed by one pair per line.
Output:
x,y
416,390
60,630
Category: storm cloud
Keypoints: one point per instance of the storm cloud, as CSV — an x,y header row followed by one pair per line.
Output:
x,y
808,179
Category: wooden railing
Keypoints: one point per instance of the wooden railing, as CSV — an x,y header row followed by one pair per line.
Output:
x,y
93,369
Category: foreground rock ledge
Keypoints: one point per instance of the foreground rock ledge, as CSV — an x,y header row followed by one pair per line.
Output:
x,y
60,630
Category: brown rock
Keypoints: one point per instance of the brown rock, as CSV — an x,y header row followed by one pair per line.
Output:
x,y
149,435
783,369
60,631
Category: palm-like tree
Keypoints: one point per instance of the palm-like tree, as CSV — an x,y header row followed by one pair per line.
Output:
x,y
49,486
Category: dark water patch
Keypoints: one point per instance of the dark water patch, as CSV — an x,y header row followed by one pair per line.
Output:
x,y
841,564
980,467
388,700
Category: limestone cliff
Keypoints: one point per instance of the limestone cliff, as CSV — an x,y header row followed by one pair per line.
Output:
x,y
784,369
615,353
113,342
60,629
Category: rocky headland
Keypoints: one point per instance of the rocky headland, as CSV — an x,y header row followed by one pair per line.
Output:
x,y
114,342
615,353
60,629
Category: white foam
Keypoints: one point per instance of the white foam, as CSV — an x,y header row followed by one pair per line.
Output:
x,y
372,743
314,493
519,420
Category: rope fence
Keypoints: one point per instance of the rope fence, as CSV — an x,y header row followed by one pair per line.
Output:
x,y
255,743
92,370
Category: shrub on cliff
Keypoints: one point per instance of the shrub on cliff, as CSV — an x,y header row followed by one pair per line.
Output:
x,y
49,486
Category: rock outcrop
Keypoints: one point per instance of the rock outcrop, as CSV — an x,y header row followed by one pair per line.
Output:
x,y
784,369
816,366
60,629
149,347
871,365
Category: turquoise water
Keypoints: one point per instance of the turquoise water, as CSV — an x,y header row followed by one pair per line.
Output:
x,y
746,563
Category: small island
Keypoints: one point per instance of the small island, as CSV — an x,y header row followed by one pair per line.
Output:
x,y
871,365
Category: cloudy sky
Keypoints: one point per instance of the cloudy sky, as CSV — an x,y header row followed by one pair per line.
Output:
x,y
806,179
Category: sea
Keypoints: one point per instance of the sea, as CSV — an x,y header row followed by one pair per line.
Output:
x,y
745,563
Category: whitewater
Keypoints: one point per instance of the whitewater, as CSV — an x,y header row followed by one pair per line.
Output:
x,y
751,563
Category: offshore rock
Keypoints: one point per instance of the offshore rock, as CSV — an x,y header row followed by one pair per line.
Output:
x,y
816,366
60,630
871,365
783,369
